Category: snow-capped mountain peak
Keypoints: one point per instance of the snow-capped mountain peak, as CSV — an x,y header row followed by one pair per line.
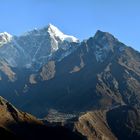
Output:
x,y
56,33
5,38
35,48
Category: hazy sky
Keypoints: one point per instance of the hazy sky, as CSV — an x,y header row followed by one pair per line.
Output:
x,y
80,18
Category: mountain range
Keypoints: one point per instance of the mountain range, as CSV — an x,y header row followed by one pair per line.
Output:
x,y
46,69
18,125
97,124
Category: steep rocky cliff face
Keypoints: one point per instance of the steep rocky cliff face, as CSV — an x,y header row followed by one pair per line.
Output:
x,y
120,123
94,126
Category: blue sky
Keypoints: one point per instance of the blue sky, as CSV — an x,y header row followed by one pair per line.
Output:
x,y
80,18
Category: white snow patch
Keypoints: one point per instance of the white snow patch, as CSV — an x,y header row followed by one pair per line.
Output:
x,y
54,31
5,38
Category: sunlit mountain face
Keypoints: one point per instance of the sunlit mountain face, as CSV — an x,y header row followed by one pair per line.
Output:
x,y
87,86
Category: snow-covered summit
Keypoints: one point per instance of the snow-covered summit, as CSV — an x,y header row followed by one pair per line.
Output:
x,y
5,38
35,48
55,32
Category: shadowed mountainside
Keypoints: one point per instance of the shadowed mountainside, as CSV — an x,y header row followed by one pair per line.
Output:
x,y
15,124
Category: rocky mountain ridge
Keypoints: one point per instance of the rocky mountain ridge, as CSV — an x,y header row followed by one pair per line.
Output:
x,y
100,72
